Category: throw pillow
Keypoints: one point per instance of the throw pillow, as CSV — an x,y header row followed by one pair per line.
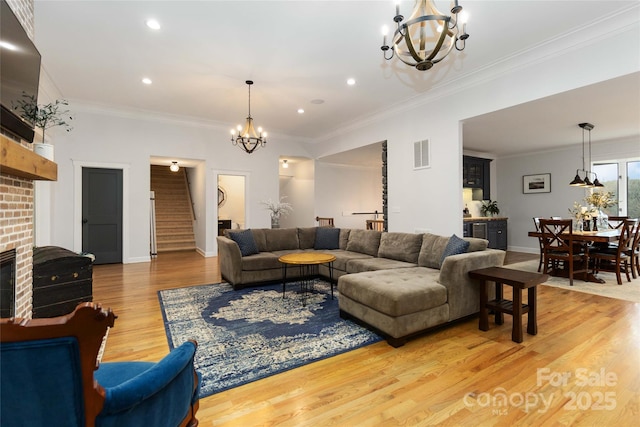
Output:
x,y
455,246
245,241
327,238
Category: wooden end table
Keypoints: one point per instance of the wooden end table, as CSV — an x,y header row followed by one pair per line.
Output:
x,y
518,280
308,263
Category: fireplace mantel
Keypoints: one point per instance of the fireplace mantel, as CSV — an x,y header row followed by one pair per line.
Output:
x,y
24,163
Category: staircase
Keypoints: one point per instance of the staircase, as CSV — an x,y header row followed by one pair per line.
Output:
x,y
174,213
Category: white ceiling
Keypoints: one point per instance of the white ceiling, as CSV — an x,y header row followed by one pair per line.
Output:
x,y
97,52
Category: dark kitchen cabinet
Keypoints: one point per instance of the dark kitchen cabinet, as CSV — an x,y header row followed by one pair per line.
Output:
x,y
475,174
497,234
494,230
467,229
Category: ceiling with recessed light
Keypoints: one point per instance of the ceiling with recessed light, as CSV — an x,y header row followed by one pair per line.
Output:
x,y
300,55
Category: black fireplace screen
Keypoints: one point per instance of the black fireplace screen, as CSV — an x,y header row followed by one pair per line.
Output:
x,y
8,283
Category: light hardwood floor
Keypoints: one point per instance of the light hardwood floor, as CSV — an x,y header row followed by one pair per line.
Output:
x,y
455,376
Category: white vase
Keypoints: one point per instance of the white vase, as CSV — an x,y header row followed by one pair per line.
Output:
x,y
44,150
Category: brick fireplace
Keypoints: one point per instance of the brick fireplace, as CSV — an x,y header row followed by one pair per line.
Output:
x,y
18,171
16,229
19,168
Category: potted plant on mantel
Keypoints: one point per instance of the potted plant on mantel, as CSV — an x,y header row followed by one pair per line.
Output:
x,y
43,117
490,208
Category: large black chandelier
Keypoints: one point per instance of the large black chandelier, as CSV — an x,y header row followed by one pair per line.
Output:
x,y
427,36
248,139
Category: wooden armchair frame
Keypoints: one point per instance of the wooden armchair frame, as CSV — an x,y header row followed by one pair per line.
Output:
x,y
88,323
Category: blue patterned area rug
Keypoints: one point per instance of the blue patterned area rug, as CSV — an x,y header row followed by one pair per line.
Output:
x,y
253,333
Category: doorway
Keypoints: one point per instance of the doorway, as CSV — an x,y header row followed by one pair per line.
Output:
x,y
231,202
102,214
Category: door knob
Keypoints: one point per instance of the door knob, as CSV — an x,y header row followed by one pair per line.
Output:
x,y
84,220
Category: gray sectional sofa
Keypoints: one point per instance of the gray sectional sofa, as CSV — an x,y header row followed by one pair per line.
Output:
x,y
399,283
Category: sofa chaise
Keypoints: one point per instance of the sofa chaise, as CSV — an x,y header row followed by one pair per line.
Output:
x,y
398,283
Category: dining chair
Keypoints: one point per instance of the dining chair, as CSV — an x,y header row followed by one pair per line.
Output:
x,y
558,246
634,251
616,259
616,221
536,223
324,222
375,224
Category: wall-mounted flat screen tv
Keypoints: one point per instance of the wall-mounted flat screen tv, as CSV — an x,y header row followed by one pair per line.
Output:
x,y
19,73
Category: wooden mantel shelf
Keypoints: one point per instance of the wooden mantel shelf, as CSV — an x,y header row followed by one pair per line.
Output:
x,y
24,163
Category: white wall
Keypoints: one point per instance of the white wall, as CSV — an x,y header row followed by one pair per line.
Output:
x,y
297,187
107,137
341,190
562,165
197,184
427,199
431,199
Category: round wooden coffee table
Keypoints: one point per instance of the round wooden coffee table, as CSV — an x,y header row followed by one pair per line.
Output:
x,y
308,263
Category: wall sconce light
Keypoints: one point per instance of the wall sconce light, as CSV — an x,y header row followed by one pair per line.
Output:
x,y
285,165
174,167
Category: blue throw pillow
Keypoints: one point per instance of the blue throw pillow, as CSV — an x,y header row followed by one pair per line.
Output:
x,y
327,238
245,241
455,246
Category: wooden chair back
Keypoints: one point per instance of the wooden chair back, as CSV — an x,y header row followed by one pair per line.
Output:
x,y
324,222
557,235
375,224
616,221
616,258
634,252
627,234
558,247
536,224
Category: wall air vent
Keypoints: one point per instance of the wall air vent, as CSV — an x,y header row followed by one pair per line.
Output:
x,y
421,154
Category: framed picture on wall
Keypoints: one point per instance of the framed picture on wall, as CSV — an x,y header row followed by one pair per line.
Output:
x,y
540,183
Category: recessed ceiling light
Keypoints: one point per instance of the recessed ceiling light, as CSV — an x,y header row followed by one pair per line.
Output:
x,y
300,111
153,24
147,81
351,82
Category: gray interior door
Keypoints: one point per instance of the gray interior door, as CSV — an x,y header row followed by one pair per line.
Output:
x,y
102,214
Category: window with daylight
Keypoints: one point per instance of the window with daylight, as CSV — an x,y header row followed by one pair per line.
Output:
x,y
622,178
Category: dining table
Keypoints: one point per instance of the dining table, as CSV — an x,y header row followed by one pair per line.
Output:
x,y
586,239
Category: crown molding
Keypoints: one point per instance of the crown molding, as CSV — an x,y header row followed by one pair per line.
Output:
x,y
627,19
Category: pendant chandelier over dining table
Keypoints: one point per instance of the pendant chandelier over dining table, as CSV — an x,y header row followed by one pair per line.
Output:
x,y
427,36
248,139
586,182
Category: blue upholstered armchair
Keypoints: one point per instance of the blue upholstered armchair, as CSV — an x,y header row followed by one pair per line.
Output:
x,y
48,377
